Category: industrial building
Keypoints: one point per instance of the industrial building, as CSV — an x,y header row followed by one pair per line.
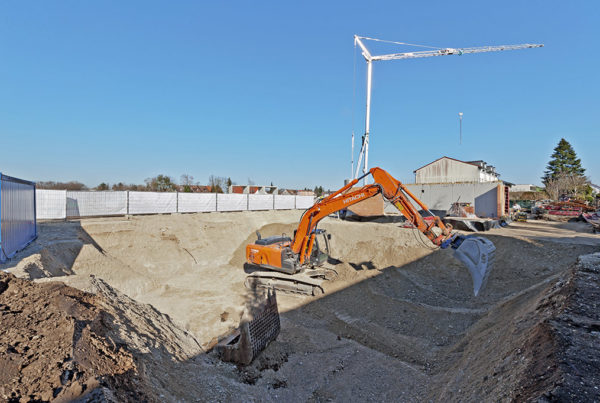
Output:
x,y
450,170
446,180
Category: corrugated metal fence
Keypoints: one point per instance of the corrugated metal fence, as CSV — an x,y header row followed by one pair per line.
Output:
x,y
61,204
17,215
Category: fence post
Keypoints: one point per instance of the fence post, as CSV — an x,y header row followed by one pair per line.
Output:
x,y
66,205
35,210
273,202
216,202
127,196
296,202
177,201
248,202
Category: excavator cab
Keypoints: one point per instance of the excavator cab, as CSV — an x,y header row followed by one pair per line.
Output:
x,y
320,252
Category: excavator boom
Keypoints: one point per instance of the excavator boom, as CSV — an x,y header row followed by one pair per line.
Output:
x,y
291,256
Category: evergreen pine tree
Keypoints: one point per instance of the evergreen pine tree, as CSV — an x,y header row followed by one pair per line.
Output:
x,y
564,161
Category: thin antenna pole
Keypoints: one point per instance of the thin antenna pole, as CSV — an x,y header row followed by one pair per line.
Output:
x,y
352,169
460,115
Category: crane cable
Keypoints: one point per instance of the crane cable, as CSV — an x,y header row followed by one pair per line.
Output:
x,y
399,43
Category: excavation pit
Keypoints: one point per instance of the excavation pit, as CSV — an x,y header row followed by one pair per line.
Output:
x,y
399,323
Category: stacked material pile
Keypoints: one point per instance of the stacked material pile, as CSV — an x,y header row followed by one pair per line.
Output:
x,y
566,209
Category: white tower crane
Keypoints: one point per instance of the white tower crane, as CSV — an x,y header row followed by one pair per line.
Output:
x,y
358,40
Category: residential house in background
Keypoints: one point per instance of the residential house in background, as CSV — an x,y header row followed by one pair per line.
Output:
x,y
288,192
251,189
266,190
295,192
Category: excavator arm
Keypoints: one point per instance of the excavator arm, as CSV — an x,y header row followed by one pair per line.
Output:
x,y
384,183
305,234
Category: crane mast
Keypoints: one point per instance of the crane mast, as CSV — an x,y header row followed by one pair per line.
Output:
x,y
369,58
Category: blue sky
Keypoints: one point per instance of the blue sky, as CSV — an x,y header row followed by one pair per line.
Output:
x,y
122,91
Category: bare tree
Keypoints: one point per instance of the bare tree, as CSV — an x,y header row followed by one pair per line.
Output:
x,y
72,185
186,183
553,188
122,186
576,185
216,183
570,184
187,179
161,183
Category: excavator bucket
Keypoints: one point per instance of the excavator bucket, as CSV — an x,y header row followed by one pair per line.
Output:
x,y
259,326
477,254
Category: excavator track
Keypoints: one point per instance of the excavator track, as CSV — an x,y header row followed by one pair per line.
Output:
x,y
307,282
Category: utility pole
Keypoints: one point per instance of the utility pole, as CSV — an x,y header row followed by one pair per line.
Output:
x,y
460,115
369,58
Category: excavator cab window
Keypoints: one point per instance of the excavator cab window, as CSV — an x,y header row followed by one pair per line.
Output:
x,y
320,252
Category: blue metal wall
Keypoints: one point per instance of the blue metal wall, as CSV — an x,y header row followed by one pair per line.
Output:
x,y
17,215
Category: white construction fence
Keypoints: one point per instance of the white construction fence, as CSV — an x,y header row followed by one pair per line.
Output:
x,y
62,204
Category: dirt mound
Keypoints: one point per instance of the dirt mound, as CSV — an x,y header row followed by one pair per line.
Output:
x,y
62,343
54,345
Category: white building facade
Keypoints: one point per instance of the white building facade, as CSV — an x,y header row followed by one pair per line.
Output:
x,y
450,170
523,188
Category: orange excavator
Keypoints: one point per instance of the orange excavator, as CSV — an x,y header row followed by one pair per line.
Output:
x,y
294,265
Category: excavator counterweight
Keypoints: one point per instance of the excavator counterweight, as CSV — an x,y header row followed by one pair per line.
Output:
x,y
292,263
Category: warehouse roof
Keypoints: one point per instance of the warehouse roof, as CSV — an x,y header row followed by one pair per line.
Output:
x,y
453,159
